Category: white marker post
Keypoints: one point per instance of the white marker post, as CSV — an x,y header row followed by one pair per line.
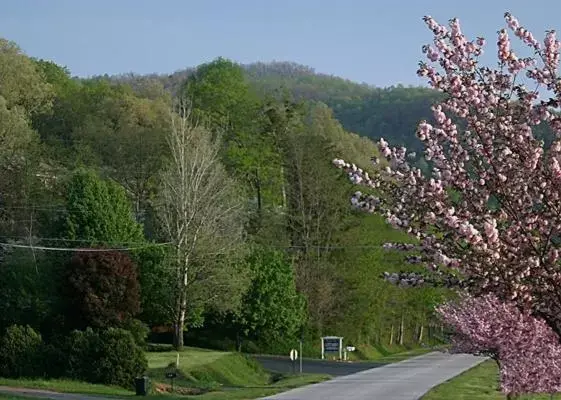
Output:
x,y
348,349
293,358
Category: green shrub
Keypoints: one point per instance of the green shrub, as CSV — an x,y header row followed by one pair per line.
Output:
x,y
82,349
54,360
249,346
139,331
159,347
20,352
110,357
122,359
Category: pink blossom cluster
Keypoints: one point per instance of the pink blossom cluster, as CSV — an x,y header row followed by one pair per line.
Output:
x,y
417,279
414,259
491,207
494,194
396,216
405,279
356,175
368,203
526,348
400,246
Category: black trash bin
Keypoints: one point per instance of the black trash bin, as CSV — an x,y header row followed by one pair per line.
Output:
x,y
142,386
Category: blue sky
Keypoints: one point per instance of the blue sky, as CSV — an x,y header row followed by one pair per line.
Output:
x,y
371,41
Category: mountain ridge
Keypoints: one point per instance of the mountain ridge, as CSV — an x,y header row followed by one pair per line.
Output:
x,y
391,112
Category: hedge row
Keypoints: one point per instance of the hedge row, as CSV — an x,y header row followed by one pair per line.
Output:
x,y
110,356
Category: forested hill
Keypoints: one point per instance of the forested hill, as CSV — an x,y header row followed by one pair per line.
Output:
x,y
262,220
392,113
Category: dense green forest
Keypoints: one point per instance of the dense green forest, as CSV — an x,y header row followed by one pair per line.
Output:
x,y
210,199
392,113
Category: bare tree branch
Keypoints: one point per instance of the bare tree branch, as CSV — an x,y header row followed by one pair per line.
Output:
x,y
202,214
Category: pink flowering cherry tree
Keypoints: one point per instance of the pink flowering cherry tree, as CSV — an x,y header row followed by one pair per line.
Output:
x,y
526,348
490,212
488,218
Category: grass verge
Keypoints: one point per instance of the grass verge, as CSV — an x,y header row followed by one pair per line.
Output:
x,y
202,374
66,386
479,383
207,369
384,353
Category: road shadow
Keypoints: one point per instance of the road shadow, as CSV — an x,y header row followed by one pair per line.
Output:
x,y
311,366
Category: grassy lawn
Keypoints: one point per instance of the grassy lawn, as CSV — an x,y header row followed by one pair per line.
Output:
x,y
207,368
221,375
404,355
479,383
202,374
395,353
65,386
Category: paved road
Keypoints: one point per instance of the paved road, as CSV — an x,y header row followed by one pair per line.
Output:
x,y
405,380
46,394
314,366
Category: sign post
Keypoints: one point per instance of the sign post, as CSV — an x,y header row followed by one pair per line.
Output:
x,y
300,356
293,358
171,376
348,349
332,344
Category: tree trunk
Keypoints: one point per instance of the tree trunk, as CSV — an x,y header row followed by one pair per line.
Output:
x,y
238,342
391,335
178,330
179,324
401,332
181,311
283,188
258,189
421,334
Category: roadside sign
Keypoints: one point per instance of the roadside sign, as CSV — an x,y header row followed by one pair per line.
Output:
x,y
293,355
332,344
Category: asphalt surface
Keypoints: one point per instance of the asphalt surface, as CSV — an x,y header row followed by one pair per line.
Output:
x,y
314,366
405,380
46,394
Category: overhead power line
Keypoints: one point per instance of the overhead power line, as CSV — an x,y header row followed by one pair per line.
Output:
x,y
77,249
105,242
138,246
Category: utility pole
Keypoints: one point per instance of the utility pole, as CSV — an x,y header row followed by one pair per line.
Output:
x,y
300,356
301,341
